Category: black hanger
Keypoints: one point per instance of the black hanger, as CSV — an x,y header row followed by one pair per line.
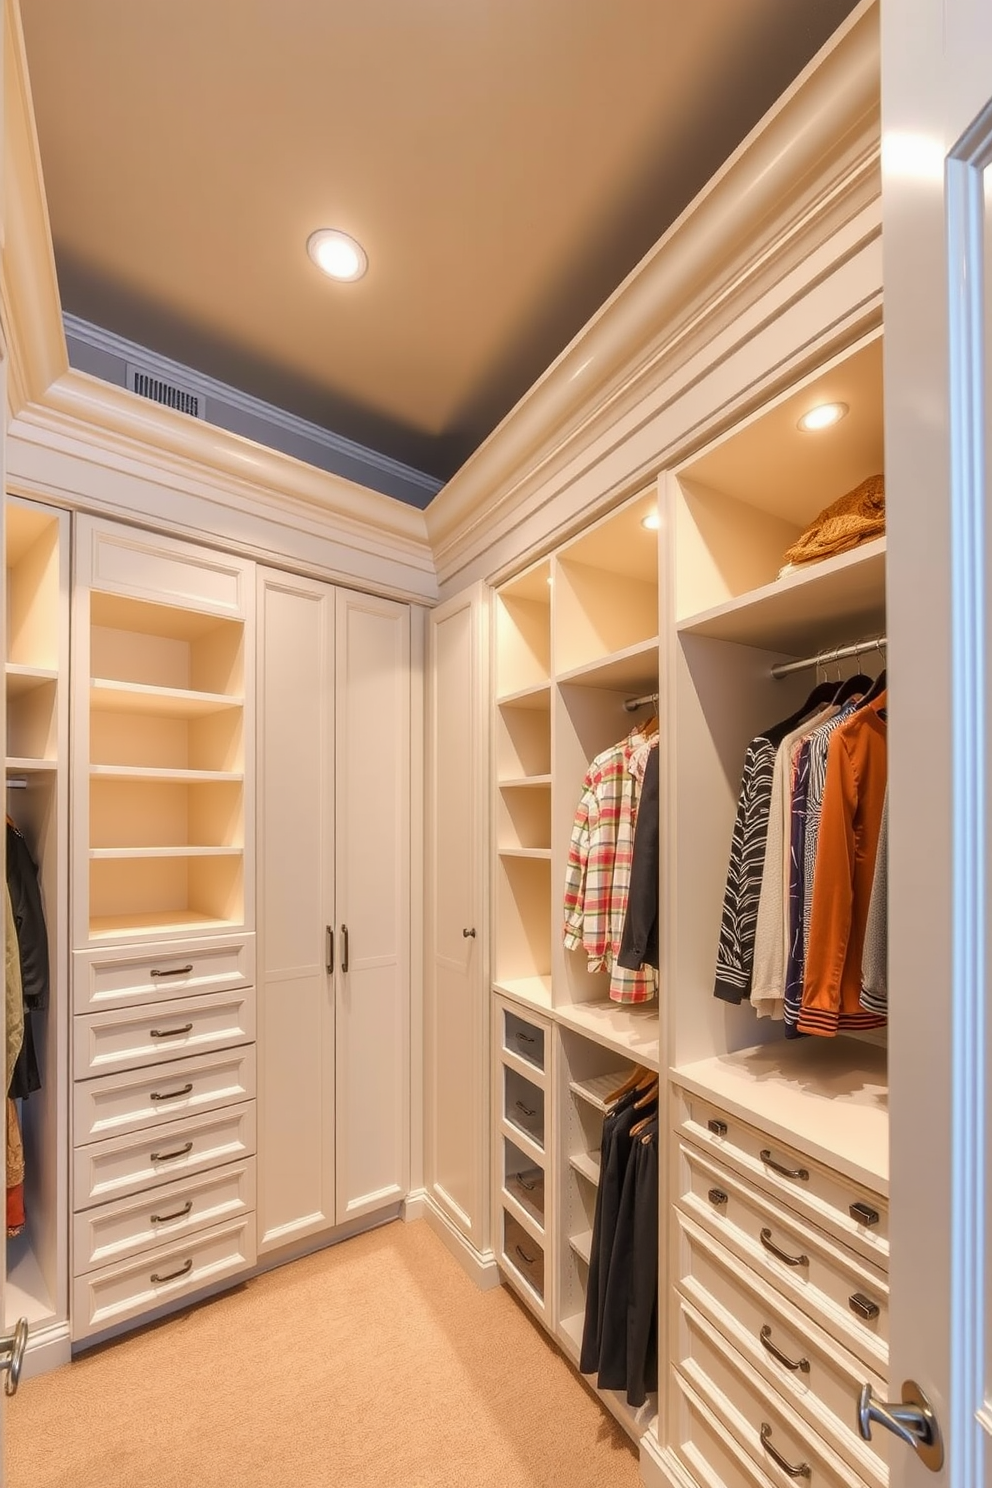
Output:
x,y
875,691
850,687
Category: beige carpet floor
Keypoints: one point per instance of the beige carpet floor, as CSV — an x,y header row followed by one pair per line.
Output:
x,y
375,1364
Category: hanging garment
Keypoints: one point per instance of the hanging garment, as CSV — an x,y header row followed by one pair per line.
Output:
x,y
875,956
628,1354
819,744
639,942
15,1172
796,959
597,876
735,952
614,1151
847,846
32,941
13,992
772,928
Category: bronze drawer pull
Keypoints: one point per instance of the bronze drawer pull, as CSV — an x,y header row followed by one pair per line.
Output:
x,y
863,1306
864,1214
169,1156
802,1471
173,971
769,1244
176,1214
525,1110
765,1338
717,1197
524,1038
718,1128
527,1260
183,1271
171,1032
523,1182
172,1094
769,1162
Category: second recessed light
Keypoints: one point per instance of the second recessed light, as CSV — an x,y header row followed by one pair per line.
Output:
x,y
337,255
822,416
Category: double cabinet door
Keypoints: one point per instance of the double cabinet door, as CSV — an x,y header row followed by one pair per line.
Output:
x,y
333,821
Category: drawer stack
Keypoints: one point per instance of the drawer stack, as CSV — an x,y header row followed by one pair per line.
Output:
x,y
780,1312
163,1114
522,1043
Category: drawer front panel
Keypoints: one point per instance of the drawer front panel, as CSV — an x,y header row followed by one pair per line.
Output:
x,y
109,1296
857,1216
115,1104
834,1285
763,1327
524,1039
523,1106
134,1037
107,979
524,1257
702,1444
126,1165
113,1233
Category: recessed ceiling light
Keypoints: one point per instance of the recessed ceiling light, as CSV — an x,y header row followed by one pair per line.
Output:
x,y
652,521
822,416
336,254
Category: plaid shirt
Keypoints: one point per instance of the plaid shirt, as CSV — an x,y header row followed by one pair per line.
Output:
x,y
597,876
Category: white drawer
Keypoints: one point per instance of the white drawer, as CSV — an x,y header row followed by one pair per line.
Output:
x,y
109,1296
523,1037
757,1418
126,1165
113,1233
125,977
702,1444
133,1037
523,1261
141,565
846,1294
819,1378
853,1214
134,1099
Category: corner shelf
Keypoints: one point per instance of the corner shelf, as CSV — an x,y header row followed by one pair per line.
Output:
x,y
167,702
22,679
582,1245
534,991
631,1030
633,669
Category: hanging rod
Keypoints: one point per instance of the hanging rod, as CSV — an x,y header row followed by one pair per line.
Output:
x,y
632,704
826,658
18,783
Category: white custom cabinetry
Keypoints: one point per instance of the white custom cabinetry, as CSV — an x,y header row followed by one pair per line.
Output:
x,y
775,1280
37,715
334,814
456,1037
162,911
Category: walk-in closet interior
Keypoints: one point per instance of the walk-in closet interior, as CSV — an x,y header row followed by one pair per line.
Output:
x,y
395,865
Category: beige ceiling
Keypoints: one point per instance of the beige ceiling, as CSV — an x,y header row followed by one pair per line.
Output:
x,y
504,162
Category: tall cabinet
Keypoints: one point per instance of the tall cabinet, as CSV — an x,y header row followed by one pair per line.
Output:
x,y
333,796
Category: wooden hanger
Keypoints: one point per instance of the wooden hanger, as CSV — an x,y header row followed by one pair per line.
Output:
x,y
638,1077
651,1094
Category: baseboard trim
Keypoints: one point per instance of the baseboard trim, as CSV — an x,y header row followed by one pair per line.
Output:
x,y
659,1469
47,1349
414,1206
481,1266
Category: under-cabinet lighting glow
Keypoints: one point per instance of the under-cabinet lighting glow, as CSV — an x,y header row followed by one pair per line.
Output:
x,y
337,255
822,416
652,521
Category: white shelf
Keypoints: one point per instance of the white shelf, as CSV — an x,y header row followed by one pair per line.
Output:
x,y
180,777
169,702
587,1164
25,1289
165,922
525,782
828,1096
27,765
596,1090
629,1029
534,992
633,669
538,697
165,852
525,852
582,1245
570,1335
21,678
838,599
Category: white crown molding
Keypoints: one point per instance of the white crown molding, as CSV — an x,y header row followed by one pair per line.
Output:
x,y
210,388
813,156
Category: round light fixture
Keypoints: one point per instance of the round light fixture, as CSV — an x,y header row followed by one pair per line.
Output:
x,y
337,255
822,416
652,521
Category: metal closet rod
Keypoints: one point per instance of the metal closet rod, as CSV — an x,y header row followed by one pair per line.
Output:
x,y
632,704
17,783
826,658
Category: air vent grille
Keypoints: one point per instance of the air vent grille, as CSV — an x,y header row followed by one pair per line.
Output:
x,y
170,394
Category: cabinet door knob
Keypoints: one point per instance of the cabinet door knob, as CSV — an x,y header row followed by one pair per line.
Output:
x,y
468,933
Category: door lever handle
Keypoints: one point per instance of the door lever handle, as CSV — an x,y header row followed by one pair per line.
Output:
x,y
329,956
911,1419
345,949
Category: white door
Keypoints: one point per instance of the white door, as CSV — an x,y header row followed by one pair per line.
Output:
x,y
937,144
295,825
372,894
456,995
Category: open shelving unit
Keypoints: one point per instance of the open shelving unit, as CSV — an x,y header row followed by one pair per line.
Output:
x,y
37,714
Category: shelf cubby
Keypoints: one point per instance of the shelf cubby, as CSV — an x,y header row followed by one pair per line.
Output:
x,y
523,736
606,589
523,918
165,893
164,646
523,631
